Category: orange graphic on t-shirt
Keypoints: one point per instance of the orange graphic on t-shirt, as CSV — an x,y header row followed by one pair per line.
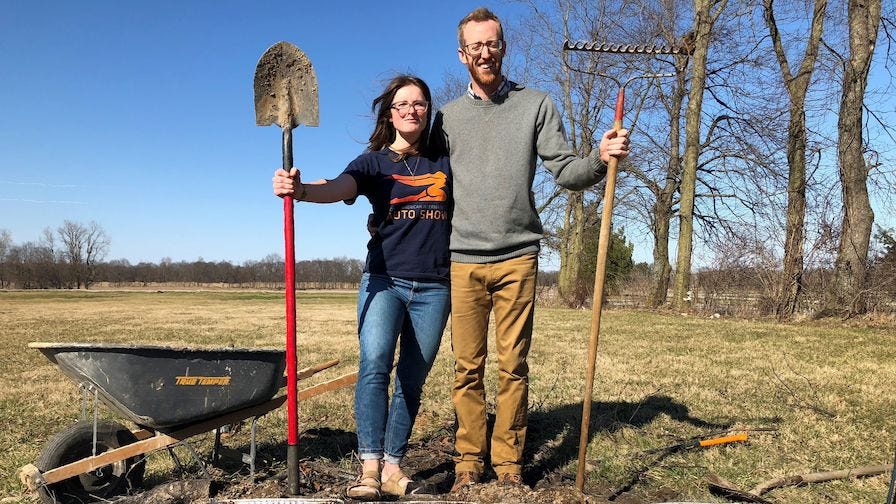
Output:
x,y
435,190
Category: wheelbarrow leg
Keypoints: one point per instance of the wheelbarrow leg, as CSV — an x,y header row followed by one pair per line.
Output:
x,y
196,458
180,467
176,459
250,459
216,453
86,389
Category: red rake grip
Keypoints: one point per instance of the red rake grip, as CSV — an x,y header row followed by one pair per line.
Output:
x,y
620,106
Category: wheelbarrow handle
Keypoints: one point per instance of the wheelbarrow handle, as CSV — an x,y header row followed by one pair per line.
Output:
x,y
310,371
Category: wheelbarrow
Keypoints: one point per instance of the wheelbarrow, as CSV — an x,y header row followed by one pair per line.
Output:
x,y
170,393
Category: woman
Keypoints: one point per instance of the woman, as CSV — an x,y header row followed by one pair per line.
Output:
x,y
404,290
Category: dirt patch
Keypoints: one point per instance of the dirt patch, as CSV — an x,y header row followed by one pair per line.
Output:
x,y
327,474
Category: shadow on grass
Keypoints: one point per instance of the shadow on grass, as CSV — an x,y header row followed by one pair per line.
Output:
x,y
552,440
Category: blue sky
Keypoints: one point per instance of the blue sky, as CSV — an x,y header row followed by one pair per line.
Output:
x,y
140,116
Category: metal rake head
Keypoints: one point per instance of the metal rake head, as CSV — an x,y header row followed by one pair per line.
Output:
x,y
583,45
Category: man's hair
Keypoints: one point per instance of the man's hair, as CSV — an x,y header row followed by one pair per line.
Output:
x,y
478,15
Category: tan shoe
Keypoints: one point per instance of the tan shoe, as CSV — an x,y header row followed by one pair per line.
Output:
x,y
366,487
464,479
400,484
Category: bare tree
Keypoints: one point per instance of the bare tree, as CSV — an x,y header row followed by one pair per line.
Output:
x,y
581,95
5,247
451,87
83,247
706,12
656,163
72,236
797,86
31,264
664,191
848,289
585,85
52,267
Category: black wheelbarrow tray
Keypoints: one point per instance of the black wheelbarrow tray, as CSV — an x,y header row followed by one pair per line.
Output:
x,y
170,393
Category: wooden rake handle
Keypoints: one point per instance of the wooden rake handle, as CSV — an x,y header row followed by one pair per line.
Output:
x,y
600,276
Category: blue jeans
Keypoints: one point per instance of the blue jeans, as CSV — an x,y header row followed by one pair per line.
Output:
x,y
389,307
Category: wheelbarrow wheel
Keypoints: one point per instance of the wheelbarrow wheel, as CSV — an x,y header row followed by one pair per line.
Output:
x,y
76,443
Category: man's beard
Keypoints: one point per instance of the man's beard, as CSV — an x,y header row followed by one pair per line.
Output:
x,y
485,78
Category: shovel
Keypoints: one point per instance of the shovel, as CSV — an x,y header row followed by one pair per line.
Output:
x,y
286,95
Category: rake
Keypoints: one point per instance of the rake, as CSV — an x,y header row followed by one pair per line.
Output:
x,y
605,224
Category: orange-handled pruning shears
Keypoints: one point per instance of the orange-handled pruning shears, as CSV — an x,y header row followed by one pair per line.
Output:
x,y
701,443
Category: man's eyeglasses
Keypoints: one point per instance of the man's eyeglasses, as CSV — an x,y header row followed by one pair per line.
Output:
x,y
476,47
403,108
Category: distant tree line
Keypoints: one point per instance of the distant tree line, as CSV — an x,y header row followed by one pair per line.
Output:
x,y
67,257
338,273
73,257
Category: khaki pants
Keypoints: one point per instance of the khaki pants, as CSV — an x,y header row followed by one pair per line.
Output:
x,y
508,289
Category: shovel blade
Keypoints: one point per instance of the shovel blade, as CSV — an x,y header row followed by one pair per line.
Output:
x,y
285,88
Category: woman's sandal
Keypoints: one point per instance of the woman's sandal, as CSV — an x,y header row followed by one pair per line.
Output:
x,y
367,486
400,484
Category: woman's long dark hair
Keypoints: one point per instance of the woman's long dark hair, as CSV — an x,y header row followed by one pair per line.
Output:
x,y
384,132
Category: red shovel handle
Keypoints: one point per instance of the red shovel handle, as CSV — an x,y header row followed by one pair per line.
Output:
x,y
292,400
290,280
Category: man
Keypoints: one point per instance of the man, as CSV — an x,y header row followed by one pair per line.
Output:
x,y
494,133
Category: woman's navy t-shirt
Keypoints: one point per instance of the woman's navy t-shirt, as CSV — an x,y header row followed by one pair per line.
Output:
x,y
411,205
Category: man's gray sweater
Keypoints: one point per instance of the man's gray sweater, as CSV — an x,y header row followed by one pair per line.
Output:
x,y
493,147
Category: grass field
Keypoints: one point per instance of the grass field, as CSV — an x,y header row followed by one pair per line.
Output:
x,y
824,391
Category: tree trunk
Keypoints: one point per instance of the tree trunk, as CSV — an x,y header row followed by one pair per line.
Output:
x,y
703,23
662,270
663,207
791,283
848,290
571,250
792,275
571,284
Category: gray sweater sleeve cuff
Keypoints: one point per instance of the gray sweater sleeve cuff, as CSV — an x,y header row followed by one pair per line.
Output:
x,y
600,167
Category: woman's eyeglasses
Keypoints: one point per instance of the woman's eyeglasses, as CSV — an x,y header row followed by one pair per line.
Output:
x,y
403,108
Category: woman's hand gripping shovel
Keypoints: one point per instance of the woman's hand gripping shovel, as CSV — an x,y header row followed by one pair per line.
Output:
x,y
286,95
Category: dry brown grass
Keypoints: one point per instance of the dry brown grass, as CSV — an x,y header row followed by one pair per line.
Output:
x,y
825,389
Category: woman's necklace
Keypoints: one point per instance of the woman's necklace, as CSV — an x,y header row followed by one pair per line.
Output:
x,y
414,171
